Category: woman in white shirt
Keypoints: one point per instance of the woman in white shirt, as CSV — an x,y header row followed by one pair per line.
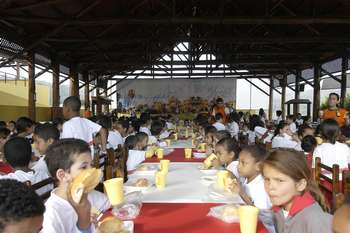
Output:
x,y
284,138
331,151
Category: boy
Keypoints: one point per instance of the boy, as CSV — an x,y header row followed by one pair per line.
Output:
x,y
18,153
66,159
25,128
21,209
80,128
122,126
114,138
156,130
44,136
219,124
145,120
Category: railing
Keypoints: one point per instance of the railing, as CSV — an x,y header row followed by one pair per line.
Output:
x,y
4,76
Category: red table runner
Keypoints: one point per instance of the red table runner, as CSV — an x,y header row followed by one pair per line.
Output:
x,y
178,155
182,218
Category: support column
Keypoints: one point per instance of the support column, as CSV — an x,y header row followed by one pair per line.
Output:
x,y
56,111
271,99
316,100
31,86
283,84
74,80
297,91
86,90
344,68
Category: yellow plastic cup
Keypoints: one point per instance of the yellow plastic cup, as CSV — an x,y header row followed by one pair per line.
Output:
x,y
149,154
175,136
188,153
248,218
209,161
160,153
160,179
164,165
186,133
221,178
168,142
202,146
114,190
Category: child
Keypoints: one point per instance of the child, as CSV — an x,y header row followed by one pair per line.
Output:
x,y
209,138
221,134
219,122
80,128
284,137
58,123
291,122
25,128
252,189
65,160
18,153
297,201
11,125
278,117
156,130
21,209
227,152
145,121
121,127
308,144
136,150
5,134
341,223
233,126
331,151
44,135
114,138
305,130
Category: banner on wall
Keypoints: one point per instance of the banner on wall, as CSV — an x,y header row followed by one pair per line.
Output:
x,y
160,90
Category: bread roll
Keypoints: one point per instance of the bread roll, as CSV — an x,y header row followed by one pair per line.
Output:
x,y
142,183
85,182
111,225
230,211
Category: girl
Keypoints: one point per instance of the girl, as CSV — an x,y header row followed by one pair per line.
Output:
x,y
331,151
284,138
209,138
297,202
233,125
136,150
256,129
227,152
251,189
291,122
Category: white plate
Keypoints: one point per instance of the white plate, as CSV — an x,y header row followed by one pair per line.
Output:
x,y
128,226
129,187
199,155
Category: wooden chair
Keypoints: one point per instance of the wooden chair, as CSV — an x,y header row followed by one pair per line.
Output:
x,y
41,184
329,186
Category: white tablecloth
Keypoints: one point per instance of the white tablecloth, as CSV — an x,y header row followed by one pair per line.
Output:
x,y
184,185
181,144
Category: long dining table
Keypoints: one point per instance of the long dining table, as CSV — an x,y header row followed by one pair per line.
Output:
x,y
183,205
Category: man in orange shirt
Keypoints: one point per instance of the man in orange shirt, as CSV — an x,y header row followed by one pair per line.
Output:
x,y
333,112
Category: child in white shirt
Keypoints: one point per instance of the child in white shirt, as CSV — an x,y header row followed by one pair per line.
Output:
x,y
80,128
65,160
18,153
252,189
331,151
219,124
233,125
145,120
136,150
291,121
284,138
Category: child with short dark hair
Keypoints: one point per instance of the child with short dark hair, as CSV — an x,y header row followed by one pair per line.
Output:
x,y
156,130
80,128
145,123
21,209
298,204
137,150
44,136
25,127
66,159
308,144
252,189
219,122
11,125
18,153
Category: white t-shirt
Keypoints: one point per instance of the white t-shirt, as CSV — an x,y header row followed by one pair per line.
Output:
x,y
256,190
135,158
285,142
152,140
60,216
233,128
259,131
41,166
114,139
80,128
233,167
251,137
293,127
338,153
219,126
164,134
145,130
32,176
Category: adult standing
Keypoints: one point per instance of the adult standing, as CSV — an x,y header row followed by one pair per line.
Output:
x,y
334,111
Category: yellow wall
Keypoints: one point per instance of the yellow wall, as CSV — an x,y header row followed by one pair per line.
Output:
x,y
8,113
